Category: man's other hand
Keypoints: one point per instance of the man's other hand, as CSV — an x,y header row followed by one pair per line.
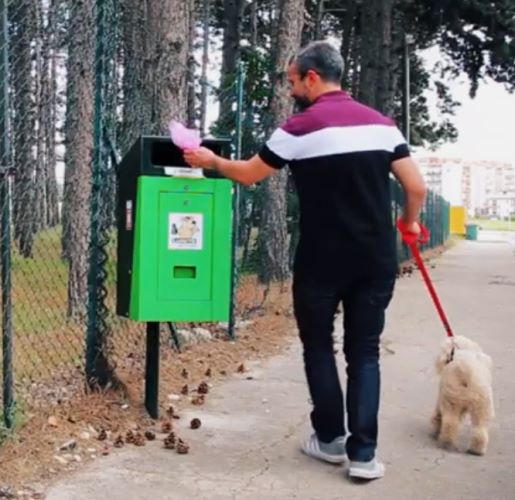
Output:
x,y
200,158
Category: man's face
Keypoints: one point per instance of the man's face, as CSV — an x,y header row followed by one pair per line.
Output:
x,y
299,87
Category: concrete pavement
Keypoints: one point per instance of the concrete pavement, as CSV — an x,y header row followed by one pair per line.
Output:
x,y
248,449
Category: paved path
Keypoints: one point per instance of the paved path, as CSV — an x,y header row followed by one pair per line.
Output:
x,y
247,447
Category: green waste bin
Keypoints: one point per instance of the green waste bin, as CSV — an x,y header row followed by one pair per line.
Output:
x,y
174,235
471,232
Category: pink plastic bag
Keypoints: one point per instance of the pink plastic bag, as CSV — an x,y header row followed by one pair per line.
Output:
x,y
184,138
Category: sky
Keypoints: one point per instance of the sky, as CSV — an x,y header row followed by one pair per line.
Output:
x,y
485,124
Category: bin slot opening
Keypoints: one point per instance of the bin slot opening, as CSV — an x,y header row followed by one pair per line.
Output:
x,y
184,272
167,154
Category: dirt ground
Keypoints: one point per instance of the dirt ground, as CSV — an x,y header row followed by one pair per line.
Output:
x,y
52,443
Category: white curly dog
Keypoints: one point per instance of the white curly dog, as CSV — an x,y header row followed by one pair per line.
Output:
x,y
465,388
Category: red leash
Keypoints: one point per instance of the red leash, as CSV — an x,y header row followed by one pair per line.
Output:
x,y
413,240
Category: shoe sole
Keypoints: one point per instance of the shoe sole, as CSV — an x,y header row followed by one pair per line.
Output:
x,y
364,474
324,457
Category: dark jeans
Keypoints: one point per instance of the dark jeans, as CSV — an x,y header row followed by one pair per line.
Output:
x,y
364,302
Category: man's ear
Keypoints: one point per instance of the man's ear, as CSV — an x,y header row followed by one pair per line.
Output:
x,y
312,76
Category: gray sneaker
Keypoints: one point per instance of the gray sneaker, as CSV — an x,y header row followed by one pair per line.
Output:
x,y
333,452
366,470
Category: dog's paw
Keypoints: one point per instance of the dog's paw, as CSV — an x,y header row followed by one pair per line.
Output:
x,y
477,448
447,444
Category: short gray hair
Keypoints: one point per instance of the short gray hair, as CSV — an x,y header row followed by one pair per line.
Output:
x,y
322,58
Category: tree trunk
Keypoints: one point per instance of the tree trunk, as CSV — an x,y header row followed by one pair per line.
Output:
x,y
376,50
206,9
41,45
385,70
355,60
23,26
369,53
78,155
137,100
348,23
167,53
254,24
155,69
49,90
273,235
191,108
233,11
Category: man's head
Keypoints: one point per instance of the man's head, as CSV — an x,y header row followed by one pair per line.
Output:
x,y
315,70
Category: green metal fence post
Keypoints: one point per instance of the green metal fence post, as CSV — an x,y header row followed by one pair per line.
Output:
x,y
5,223
97,371
236,201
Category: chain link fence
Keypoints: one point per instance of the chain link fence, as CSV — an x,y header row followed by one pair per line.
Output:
x,y
70,80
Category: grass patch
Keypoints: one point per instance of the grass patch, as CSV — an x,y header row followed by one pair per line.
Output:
x,y
494,225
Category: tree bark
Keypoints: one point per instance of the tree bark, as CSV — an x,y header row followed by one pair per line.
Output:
x,y
191,107
41,64
23,28
156,52
233,11
49,119
348,32
273,235
376,50
78,155
206,9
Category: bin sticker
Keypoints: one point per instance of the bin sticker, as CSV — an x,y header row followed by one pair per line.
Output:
x,y
128,215
185,231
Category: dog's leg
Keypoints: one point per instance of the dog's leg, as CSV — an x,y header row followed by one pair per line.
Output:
x,y
436,422
449,429
479,440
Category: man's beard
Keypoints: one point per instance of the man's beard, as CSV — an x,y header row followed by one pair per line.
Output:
x,y
301,103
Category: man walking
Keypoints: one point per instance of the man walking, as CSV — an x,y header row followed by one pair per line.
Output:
x,y
340,153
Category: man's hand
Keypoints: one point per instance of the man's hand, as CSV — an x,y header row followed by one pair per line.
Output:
x,y
200,158
414,228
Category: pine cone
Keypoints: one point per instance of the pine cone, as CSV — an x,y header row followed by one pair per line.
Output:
x,y
119,442
195,423
185,390
182,447
241,368
150,435
139,440
203,388
166,427
184,373
198,400
102,435
129,437
208,372
169,441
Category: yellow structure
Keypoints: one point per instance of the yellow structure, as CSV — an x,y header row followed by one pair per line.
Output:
x,y
458,220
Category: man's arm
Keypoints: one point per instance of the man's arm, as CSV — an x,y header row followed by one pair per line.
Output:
x,y
412,182
245,172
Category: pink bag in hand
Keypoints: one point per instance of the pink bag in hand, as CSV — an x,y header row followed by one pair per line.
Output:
x,y
184,138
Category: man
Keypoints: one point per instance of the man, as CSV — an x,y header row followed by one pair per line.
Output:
x,y
340,153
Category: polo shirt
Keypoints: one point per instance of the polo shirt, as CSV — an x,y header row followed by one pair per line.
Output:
x,y
340,153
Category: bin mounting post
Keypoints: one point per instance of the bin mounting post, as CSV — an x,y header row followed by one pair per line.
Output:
x,y
152,370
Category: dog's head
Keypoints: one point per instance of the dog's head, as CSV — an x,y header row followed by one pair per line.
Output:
x,y
450,345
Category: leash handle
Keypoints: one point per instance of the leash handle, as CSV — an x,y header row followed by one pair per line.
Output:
x,y
413,240
409,237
